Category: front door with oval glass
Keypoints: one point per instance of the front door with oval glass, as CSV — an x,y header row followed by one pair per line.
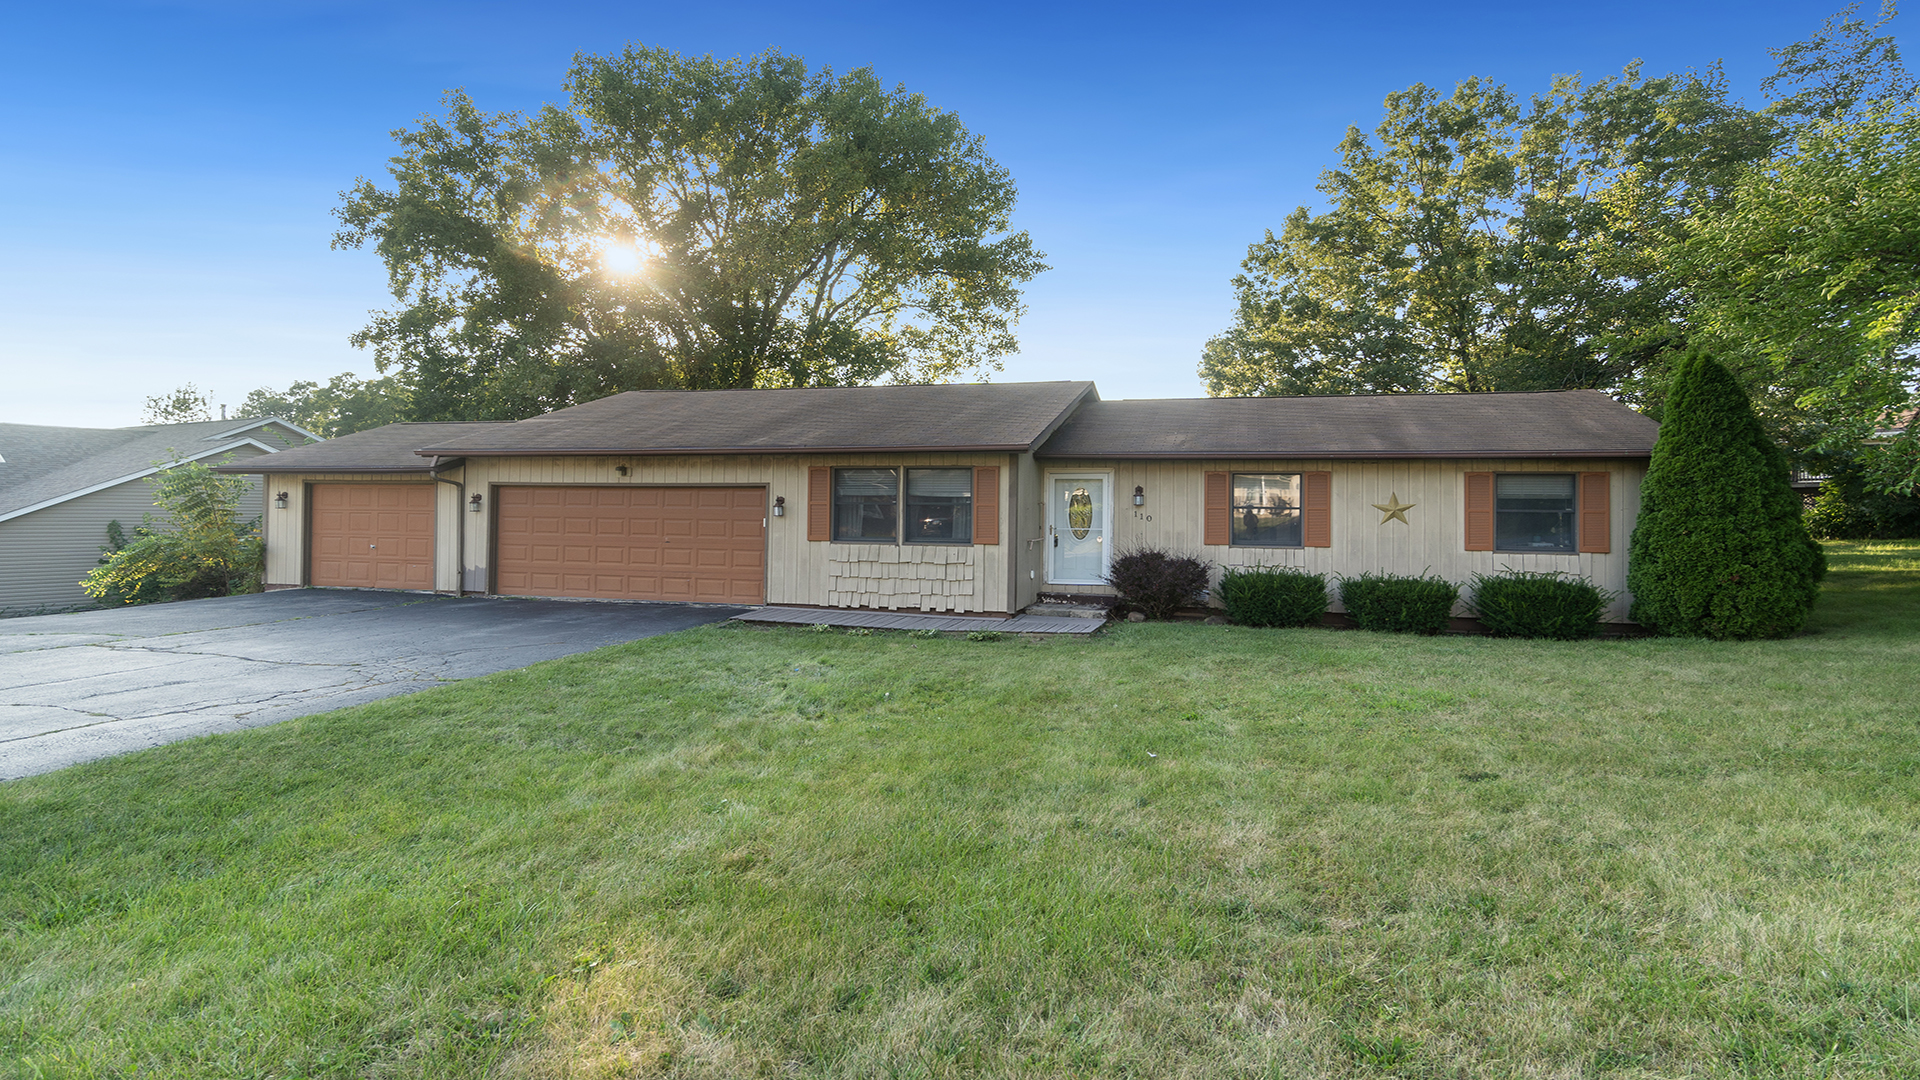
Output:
x,y
1076,530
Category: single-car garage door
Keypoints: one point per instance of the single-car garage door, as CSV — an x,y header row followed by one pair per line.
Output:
x,y
372,536
706,544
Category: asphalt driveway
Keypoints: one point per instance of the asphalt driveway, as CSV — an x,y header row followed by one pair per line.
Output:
x,y
98,683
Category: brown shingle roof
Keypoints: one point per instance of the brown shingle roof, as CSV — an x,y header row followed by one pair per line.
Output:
x,y
1566,423
382,449
978,416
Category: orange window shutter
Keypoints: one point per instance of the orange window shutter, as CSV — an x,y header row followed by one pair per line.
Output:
x,y
1479,511
819,504
986,504
1596,515
1217,510
1316,509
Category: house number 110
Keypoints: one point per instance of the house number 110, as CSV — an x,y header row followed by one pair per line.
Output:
x,y
1142,517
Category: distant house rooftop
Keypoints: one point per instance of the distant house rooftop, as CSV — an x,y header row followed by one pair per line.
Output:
x,y
40,464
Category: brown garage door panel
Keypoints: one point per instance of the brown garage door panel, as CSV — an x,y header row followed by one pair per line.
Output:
x,y
633,543
372,536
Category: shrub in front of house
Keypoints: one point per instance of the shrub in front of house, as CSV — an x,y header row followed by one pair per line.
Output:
x,y
198,550
1720,549
1847,508
1157,583
1273,596
1565,607
1402,605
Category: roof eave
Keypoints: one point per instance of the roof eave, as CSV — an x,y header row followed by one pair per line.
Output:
x,y
692,451
1339,455
262,470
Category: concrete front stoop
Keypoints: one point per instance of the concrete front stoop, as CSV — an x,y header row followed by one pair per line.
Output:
x,y
1056,609
858,618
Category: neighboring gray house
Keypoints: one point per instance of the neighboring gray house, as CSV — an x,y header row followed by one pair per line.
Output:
x,y
60,486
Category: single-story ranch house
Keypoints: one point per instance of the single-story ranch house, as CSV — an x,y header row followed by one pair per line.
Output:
x,y
60,486
955,498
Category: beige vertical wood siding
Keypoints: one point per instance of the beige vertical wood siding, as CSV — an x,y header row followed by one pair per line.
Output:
x,y
286,530
1028,518
43,555
1432,540
971,578
1009,575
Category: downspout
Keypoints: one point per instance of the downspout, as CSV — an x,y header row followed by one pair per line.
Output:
x,y
460,526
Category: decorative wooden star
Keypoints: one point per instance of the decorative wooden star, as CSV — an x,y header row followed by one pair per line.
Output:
x,y
1394,508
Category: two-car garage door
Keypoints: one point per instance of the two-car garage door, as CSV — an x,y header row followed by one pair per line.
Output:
x,y
704,544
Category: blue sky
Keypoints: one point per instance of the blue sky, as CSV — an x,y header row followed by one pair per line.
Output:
x,y
168,170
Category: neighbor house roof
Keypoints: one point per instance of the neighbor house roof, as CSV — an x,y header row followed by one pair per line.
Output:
x,y
383,449
976,416
41,466
1565,423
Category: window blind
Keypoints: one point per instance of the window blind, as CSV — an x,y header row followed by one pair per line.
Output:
x,y
1535,486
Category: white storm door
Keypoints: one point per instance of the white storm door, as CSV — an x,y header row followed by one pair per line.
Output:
x,y
1078,518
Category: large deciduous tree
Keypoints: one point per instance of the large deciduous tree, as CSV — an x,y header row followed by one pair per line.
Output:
x,y
1477,242
1813,274
1808,276
346,404
689,223
183,406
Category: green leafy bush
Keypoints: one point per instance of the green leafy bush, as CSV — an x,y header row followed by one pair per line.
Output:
x,y
1157,583
1565,607
1720,550
1273,596
197,550
1848,508
1405,605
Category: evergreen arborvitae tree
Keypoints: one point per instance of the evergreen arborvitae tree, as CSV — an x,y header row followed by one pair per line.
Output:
x,y
1719,550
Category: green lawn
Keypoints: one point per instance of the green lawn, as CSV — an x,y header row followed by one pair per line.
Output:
x,y
1174,850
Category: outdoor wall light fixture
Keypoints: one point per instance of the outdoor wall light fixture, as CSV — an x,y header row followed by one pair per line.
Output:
x,y
779,506
473,503
280,501
621,469
1139,495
